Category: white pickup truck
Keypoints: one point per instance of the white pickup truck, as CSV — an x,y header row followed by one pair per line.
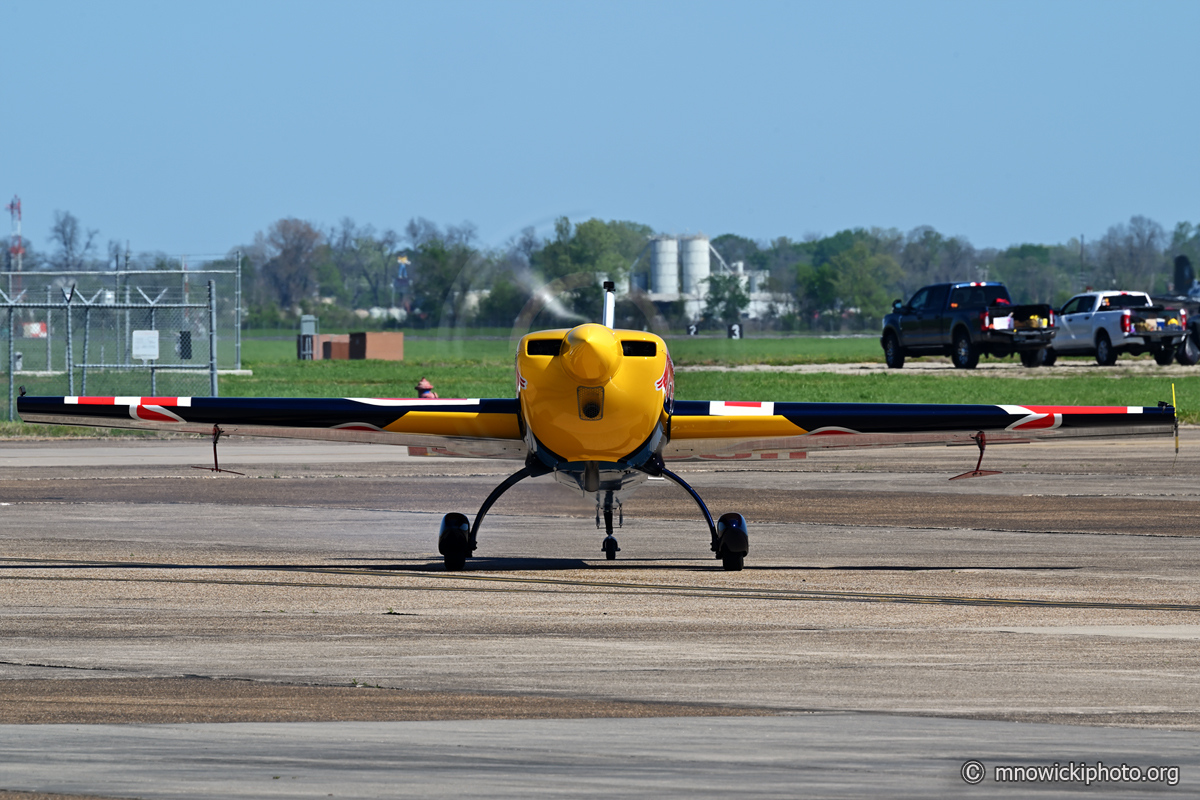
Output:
x,y
1105,324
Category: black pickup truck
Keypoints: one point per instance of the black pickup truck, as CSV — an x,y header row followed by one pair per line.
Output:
x,y
965,321
1187,297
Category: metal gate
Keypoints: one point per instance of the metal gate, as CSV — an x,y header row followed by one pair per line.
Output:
x,y
157,346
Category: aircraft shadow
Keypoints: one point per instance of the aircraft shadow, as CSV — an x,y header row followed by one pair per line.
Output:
x,y
519,564
674,565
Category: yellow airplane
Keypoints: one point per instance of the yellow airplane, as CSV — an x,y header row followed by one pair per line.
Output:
x,y
595,406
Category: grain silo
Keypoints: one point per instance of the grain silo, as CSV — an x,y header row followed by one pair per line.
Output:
x,y
695,265
664,266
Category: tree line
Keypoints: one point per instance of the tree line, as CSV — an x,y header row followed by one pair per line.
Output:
x,y
444,276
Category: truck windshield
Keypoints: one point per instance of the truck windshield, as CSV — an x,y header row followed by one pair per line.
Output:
x,y
1124,301
978,296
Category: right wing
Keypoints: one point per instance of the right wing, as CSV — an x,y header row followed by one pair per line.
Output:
x,y
721,431
462,428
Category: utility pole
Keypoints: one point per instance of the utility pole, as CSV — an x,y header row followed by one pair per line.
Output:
x,y
1082,285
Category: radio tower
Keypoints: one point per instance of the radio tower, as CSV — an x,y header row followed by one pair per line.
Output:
x,y
17,248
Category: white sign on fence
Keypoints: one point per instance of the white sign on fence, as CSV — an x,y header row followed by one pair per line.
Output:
x,y
145,345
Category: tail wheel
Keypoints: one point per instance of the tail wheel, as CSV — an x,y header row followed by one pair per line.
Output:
x,y
1106,356
733,562
966,355
609,546
892,354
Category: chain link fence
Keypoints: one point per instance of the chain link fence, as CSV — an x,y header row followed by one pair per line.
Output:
x,y
140,286
137,340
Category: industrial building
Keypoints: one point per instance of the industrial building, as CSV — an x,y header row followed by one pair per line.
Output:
x,y
679,270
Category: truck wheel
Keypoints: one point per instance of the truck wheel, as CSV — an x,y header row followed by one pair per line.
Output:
x,y
892,353
965,355
1033,358
1164,356
1188,353
1050,357
1106,356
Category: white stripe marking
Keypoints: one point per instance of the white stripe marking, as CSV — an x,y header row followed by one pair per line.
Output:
x,y
412,401
719,408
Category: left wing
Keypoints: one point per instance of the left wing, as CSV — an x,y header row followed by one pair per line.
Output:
x,y
725,430
466,428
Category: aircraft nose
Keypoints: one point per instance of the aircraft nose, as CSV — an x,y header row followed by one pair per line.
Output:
x,y
593,354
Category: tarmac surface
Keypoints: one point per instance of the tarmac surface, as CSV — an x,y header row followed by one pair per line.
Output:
x,y
168,632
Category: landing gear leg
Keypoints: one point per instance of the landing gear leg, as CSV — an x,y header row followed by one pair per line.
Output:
x,y
455,543
609,546
730,544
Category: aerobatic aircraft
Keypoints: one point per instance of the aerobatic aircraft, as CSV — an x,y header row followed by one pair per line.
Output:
x,y
595,406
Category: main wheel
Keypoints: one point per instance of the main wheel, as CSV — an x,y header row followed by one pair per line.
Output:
x,y
892,354
733,541
1106,356
1188,353
966,355
1033,358
454,541
1164,356
1050,357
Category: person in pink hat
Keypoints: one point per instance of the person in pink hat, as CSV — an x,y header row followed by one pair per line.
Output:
x,y
425,390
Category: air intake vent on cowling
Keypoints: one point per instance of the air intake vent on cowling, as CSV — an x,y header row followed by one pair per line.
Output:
x,y
544,347
591,402
639,349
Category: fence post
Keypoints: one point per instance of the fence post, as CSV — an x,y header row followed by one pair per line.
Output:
x,y
237,311
49,352
87,332
70,353
153,377
12,364
212,338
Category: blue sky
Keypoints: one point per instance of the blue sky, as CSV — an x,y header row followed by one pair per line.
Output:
x,y
188,127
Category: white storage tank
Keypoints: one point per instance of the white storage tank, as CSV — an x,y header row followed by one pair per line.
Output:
x,y
695,263
664,266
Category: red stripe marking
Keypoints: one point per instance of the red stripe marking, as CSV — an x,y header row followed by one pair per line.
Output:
x,y
148,415
97,401
742,404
